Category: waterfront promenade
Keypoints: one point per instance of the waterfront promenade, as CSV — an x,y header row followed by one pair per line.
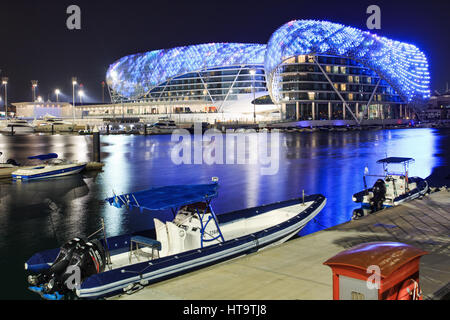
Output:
x,y
294,270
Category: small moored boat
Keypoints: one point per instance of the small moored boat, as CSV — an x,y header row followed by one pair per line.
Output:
x,y
390,189
50,168
17,126
8,167
163,126
195,238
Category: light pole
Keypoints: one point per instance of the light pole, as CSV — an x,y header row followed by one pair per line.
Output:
x,y
81,94
74,83
252,72
57,92
5,83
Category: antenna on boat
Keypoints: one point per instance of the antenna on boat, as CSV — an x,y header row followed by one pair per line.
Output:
x,y
106,245
366,172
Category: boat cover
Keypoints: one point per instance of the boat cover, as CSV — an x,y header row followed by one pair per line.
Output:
x,y
44,156
395,160
167,197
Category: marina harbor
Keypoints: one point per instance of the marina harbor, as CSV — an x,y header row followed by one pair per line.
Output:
x,y
234,166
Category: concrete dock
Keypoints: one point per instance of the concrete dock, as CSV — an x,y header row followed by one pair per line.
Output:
x,y
294,270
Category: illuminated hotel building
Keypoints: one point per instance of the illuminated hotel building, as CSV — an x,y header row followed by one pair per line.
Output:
x,y
309,70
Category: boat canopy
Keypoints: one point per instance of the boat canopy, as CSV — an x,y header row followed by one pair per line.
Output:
x,y
167,197
44,156
395,160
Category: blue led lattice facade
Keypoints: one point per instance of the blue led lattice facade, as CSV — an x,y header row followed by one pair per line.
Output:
x,y
134,76
402,65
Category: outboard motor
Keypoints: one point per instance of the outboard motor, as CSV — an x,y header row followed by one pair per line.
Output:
x,y
59,265
379,195
88,258
12,162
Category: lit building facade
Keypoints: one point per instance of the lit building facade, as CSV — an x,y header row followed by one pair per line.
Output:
x,y
309,70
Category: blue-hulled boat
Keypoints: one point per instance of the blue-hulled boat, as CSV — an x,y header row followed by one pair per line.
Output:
x,y
195,238
50,168
391,189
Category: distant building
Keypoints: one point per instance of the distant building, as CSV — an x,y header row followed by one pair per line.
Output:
x,y
438,107
37,110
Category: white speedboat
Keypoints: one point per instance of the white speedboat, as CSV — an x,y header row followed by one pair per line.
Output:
x,y
50,123
195,238
8,167
14,127
50,168
390,189
163,126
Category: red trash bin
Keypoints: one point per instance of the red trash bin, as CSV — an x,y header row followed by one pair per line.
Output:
x,y
377,271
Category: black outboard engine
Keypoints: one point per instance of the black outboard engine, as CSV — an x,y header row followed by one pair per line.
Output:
x,y
379,195
12,161
88,259
59,265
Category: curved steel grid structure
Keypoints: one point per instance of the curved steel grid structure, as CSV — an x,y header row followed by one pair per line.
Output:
x,y
135,75
402,65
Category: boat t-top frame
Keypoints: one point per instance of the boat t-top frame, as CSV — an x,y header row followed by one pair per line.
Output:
x,y
396,160
386,162
197,197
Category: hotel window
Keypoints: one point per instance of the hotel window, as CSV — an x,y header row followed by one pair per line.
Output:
x,y
328,69
369,80
350,78
357,79
343,87
350,96
335,69
311,95
290,60
301,59
343,70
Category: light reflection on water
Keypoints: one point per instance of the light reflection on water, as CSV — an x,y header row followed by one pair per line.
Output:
x,y
43,214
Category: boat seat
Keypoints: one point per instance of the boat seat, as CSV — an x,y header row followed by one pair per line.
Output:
x,y
144,241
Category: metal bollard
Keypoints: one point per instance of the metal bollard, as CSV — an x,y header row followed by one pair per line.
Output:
x,y
96,145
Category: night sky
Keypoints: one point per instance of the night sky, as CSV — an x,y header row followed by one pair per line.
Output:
x,y
35,43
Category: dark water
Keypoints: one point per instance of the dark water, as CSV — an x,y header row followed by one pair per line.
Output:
x,y
43,214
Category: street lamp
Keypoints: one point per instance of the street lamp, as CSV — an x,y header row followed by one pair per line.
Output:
x,y
253,72
57,92
81,95
74,83
34,84
5,83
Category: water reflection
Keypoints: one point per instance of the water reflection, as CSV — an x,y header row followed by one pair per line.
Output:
x,y
40,215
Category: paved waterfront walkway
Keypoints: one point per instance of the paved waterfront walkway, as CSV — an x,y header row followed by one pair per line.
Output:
x,y
294,270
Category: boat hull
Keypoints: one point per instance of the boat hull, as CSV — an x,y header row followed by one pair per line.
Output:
x,y
117,281
17,130
5,172
45,173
